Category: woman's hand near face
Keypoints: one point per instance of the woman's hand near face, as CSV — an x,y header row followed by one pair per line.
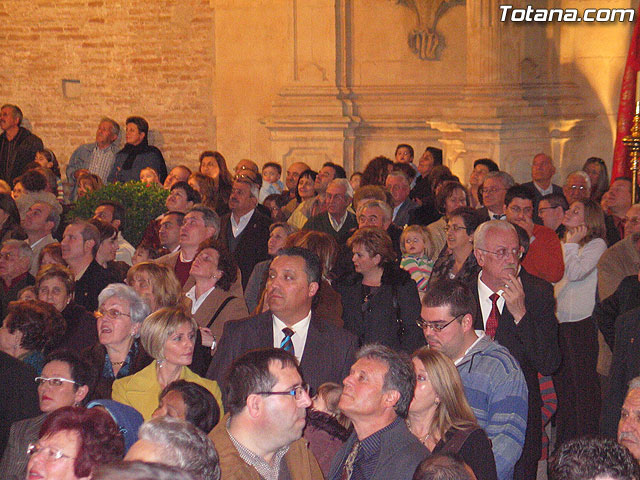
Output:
x,y
574,235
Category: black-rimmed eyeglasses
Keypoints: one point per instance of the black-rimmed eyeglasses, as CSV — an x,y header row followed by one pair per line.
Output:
x,y
437,326
296,392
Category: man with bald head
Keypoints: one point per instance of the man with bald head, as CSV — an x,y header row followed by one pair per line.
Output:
x,y
542,171
246,164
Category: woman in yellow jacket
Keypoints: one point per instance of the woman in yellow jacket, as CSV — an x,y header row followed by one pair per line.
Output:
x,y
168,335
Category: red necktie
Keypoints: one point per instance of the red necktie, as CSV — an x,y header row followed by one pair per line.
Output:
x,y
492,319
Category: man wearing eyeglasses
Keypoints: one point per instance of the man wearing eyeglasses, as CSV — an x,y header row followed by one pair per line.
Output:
x,y
493,381
260,436
494,188
551,211
542,171
577,186
544,256
517,309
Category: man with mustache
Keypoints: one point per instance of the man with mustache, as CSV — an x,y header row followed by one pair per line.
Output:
x,y
260,436
629,425
325,352
517,309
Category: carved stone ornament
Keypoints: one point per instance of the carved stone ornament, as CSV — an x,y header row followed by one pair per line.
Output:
x,y
424,40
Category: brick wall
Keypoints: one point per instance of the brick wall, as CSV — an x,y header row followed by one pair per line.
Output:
x,y
151,58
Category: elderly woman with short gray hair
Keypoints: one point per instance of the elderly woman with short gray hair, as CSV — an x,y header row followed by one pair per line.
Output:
x,y
118,352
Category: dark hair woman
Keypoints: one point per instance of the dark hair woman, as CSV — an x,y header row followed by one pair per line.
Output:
x,y
214,165
380,301
458,260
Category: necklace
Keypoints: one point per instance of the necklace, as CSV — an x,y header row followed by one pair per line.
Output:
x,y
424,439
118,364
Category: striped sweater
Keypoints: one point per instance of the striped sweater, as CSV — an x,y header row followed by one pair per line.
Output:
x,y
497,392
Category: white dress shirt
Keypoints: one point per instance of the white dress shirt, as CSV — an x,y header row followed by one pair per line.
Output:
x,y
299,338
197,302
335,224
238,227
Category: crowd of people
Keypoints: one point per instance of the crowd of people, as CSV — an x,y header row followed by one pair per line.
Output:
x,y
397,324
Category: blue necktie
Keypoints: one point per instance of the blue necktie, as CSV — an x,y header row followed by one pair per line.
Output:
x,y
287,344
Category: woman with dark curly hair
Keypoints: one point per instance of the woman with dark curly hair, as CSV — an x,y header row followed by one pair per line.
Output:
x,y
380,301
457,259
214,165
376,171
212,303
74,440
28,329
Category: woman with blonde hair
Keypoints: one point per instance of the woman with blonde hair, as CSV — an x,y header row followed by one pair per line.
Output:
x,y
156,284
168,335
577,381
380,301
440,416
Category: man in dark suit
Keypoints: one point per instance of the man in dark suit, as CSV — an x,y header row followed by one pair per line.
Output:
x,y
245,231
337,221
624,367
79,245
398,184
494,189
518,310
19,397
542,171
325,352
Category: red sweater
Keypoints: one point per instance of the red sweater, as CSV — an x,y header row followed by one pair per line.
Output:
x,y
544,258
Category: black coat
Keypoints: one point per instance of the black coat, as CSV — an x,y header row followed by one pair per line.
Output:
x,y
81,329
625,298
624,367
19,397
251,246
534,344
95,355
377,321
26,146
89,286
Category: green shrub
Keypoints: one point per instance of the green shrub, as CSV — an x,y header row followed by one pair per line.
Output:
x,y
142,204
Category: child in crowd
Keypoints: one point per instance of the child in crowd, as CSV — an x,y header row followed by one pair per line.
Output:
x,y
275,202
271,183
149,176
415,243
327,428
145,253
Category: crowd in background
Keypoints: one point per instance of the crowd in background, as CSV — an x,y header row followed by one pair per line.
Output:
x,y
399,323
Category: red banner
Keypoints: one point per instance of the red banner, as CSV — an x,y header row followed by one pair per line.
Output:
x,y
626,109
